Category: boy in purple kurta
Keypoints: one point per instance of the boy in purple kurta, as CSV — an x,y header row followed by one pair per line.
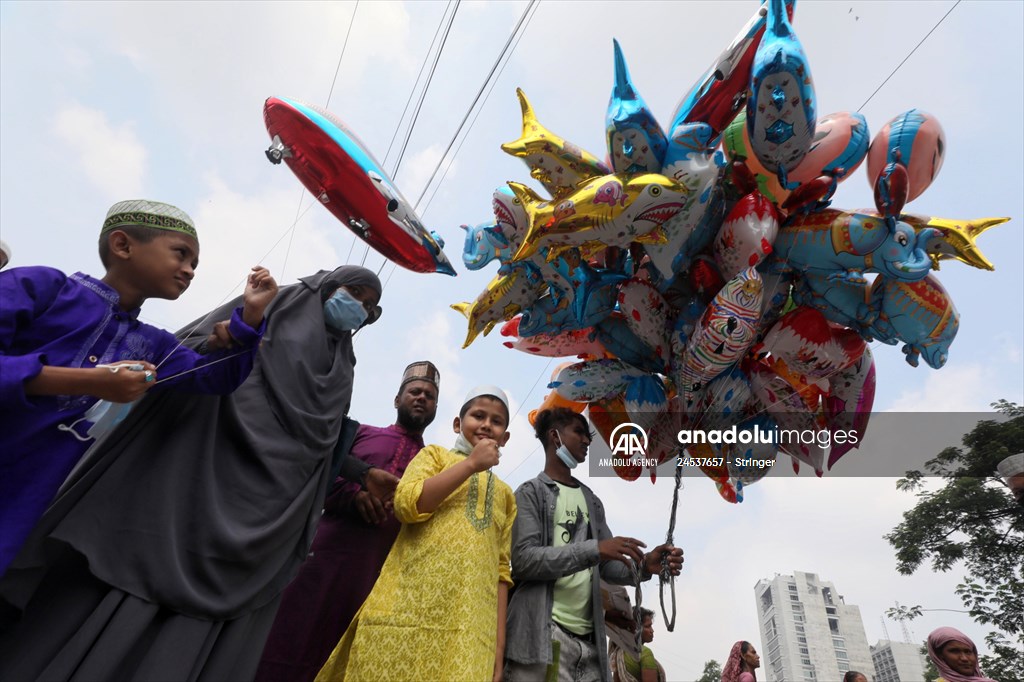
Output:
x,y
67,342
353,539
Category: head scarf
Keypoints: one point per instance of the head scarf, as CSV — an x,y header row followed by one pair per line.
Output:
x,y
734,664
146,213
940,638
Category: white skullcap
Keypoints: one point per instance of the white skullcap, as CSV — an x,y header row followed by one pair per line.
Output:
x,y
1012,466
487,389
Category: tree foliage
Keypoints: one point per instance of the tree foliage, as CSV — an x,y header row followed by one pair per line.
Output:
x,y
712,672
972,522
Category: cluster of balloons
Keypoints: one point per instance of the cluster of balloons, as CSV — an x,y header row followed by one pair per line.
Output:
x,y
702,276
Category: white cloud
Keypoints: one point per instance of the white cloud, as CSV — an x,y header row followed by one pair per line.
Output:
x,y
111,156
966,388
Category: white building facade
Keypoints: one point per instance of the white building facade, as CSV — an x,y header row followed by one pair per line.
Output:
x,y
808,632
897,662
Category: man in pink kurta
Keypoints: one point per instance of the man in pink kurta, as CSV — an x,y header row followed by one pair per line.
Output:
x,y
353,538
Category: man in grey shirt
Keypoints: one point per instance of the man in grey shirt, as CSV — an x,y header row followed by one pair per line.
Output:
x,y
555,613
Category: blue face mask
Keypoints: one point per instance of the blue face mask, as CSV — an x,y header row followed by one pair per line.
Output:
x,y
564,454
343,312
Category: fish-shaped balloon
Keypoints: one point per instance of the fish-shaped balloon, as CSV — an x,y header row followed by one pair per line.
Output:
x,y
593,380
556,163
573,342
781,110
725,332
611,210
636,143
504,298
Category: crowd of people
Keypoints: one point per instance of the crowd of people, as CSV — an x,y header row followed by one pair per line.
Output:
x,y
201,506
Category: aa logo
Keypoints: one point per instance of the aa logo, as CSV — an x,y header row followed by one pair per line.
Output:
x,y
628,440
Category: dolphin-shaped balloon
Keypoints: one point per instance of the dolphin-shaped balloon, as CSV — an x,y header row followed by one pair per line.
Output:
x,y
636,143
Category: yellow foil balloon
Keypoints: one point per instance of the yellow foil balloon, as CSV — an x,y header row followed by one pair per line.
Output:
x,y
504,298
958,240
554,162
611,210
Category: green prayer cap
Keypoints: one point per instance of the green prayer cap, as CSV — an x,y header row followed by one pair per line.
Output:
x,y
145,213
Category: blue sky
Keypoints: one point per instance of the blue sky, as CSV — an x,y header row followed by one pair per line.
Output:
x,y
106,101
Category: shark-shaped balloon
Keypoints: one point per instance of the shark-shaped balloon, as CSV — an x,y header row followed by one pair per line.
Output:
x,y
636,143
781,110
505,297
554,162
611,210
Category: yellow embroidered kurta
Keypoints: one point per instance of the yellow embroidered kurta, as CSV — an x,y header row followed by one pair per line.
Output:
x,y
432,615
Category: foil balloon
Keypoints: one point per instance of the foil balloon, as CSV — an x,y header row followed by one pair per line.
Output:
x,y
848,405
736,144
574,342
845,245
336,167
891,189
593,380
747,234
726,400
716,98
793,408
636,143
840,143
692,228
549,314
780,112
553,400
840,301
645,399
484,243
957,239
504,298
646,314
610,210
915,139
620,341
805,348
554,162
606,416
920,314
748,463
725,332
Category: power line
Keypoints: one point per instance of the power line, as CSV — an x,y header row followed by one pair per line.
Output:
x,y
909,55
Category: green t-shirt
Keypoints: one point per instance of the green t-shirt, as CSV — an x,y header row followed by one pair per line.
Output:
x,y
572,597
646,662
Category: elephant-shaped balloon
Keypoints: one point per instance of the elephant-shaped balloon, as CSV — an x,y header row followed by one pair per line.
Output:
x,y
921,314
842,245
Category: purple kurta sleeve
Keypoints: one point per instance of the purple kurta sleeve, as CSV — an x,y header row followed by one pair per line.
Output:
x,y
22,299
218,372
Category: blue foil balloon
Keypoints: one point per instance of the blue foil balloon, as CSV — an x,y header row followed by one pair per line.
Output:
x,y
636,143
780,111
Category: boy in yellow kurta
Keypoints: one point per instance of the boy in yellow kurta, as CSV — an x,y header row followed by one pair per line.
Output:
x,y
437,611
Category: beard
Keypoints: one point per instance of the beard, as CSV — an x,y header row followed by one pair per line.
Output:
x,y
412,422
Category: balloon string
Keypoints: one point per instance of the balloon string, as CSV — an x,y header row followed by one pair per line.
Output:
x,y
665,576
206,317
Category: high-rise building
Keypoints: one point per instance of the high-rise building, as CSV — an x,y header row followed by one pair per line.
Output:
x,y
897,662
808,632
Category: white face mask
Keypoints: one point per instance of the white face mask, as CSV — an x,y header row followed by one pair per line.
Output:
x,y
564,454
104,416
462,445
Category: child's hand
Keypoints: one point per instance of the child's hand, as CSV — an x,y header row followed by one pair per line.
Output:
x,y
124,385
260,290
484,456
220,338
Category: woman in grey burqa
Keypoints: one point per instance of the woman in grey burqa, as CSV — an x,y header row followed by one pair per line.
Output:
x,y
166,553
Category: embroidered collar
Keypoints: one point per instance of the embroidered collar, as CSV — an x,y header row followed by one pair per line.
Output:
x,y
104,291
